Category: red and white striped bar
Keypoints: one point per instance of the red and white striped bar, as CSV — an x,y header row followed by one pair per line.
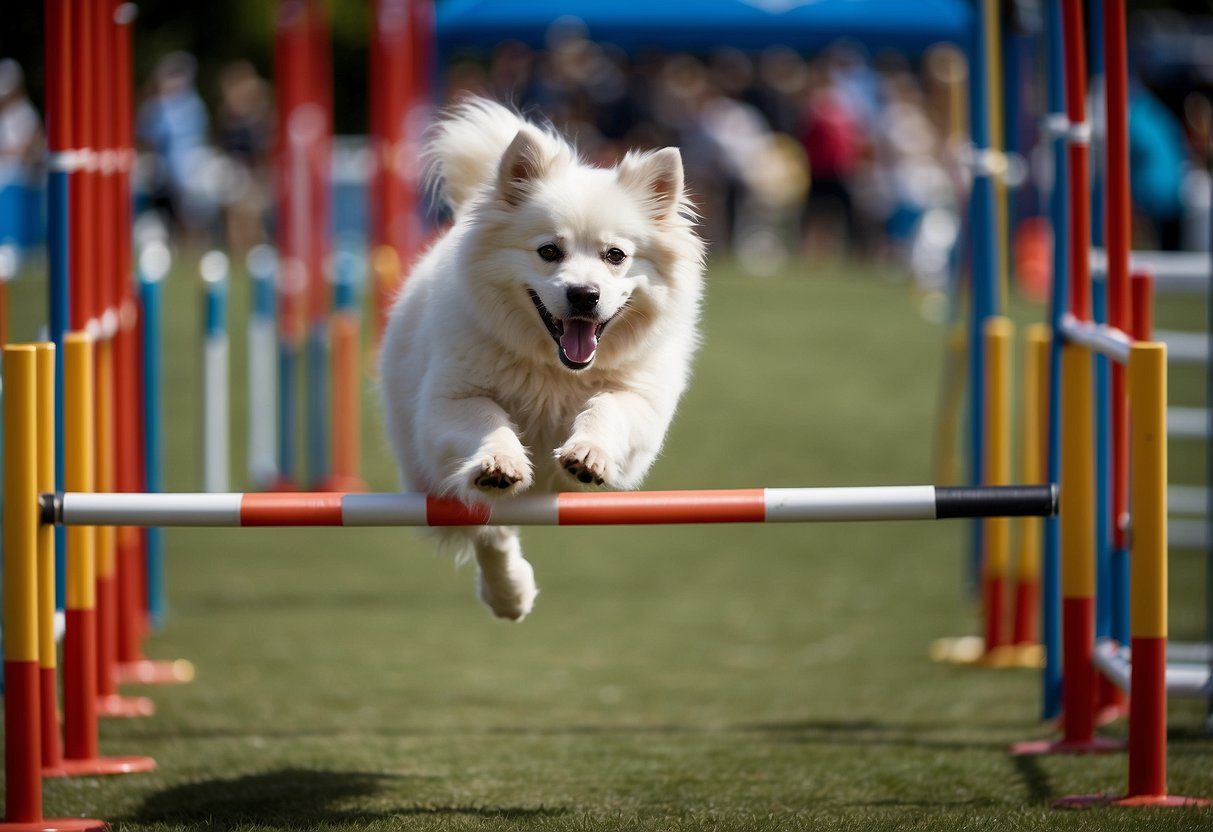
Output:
x,y
753,505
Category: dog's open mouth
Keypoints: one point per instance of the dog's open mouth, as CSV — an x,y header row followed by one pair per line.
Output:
x,y
576,338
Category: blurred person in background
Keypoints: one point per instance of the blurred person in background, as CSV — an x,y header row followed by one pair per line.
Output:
x,y
834,141
1158,159
245,126
173,126
21,147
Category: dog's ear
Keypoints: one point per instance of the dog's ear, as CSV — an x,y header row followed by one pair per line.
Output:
x,y
524,161
656,178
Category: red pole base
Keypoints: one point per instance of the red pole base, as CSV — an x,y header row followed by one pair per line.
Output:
x,y
1094,745
98,766
995,615
1161,801
56,825
1027,608
125,707
52,747
155,672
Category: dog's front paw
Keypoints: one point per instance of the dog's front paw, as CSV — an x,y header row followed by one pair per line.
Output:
x,y
500,474
586,462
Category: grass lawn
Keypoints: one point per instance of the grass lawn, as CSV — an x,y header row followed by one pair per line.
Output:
x,y
722,678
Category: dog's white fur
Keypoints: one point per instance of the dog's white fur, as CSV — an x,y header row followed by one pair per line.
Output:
x,y
478,403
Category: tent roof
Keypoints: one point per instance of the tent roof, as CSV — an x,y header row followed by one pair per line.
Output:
x,y
696,25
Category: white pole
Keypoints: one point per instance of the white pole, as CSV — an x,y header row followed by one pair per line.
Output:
x,y
215,427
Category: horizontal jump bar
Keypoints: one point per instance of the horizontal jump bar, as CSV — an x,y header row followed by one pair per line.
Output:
x,y
1101,338
753,505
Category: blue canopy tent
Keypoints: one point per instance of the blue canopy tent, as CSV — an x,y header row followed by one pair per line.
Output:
x,y
696,25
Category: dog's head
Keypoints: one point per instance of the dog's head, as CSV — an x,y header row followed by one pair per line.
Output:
x,y
584,260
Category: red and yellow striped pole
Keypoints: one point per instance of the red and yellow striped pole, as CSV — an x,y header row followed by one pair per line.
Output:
x,y
80,750
52,751
24,455
1033,420
999,333
22,749
1148,579
1077,512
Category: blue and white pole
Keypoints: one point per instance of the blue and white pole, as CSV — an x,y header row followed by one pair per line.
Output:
x,y
154,263
215,427
262,369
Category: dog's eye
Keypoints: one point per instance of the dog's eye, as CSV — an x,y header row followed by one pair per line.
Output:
x,y
551,253
615,256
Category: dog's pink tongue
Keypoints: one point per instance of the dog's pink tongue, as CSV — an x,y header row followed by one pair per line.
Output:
x,y
579,340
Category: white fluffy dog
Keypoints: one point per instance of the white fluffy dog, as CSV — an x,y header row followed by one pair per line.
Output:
x,y
545,339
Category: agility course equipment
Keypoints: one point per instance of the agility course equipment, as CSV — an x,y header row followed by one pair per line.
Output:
x,y
29,743
262,369
216,446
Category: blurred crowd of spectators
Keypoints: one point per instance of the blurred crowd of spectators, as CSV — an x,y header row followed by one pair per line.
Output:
x,y
830,154
827,154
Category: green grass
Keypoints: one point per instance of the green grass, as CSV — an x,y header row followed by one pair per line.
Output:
x,y
714,678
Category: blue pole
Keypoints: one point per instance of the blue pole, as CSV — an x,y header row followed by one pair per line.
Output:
x,y
985,259
57,267
153,265
1050,596
288,361
1103,469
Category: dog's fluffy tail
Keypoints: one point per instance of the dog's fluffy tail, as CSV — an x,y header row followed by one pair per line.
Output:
x,y
465,148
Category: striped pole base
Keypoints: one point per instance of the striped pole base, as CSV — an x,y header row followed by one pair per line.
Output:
x,y
101,766
55,825
754,505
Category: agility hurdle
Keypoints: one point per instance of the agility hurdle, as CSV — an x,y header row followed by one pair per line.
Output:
x,y
752,505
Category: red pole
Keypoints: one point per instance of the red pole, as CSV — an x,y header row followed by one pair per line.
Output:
x,y
392,87
1118,236
81,227
130,556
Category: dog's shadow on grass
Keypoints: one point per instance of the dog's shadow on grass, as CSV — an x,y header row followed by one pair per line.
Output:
x,y
297,798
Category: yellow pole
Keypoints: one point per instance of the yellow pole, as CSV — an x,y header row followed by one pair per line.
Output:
x,y
1077,518
45,416
52,754
1148,562
80,588
1033,422
993,35
22,749
107,536
998,332
20,505
1148,573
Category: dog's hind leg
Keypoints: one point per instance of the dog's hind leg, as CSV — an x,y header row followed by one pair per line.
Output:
x,y
506,579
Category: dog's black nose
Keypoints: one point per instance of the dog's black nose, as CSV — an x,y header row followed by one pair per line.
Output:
x,y
582,299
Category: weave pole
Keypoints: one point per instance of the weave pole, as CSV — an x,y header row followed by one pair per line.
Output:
x,y
262,463
346,373
392,204
1147,381
1033,420
752,505
23,728
216,427
52,748
998,332
80,748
